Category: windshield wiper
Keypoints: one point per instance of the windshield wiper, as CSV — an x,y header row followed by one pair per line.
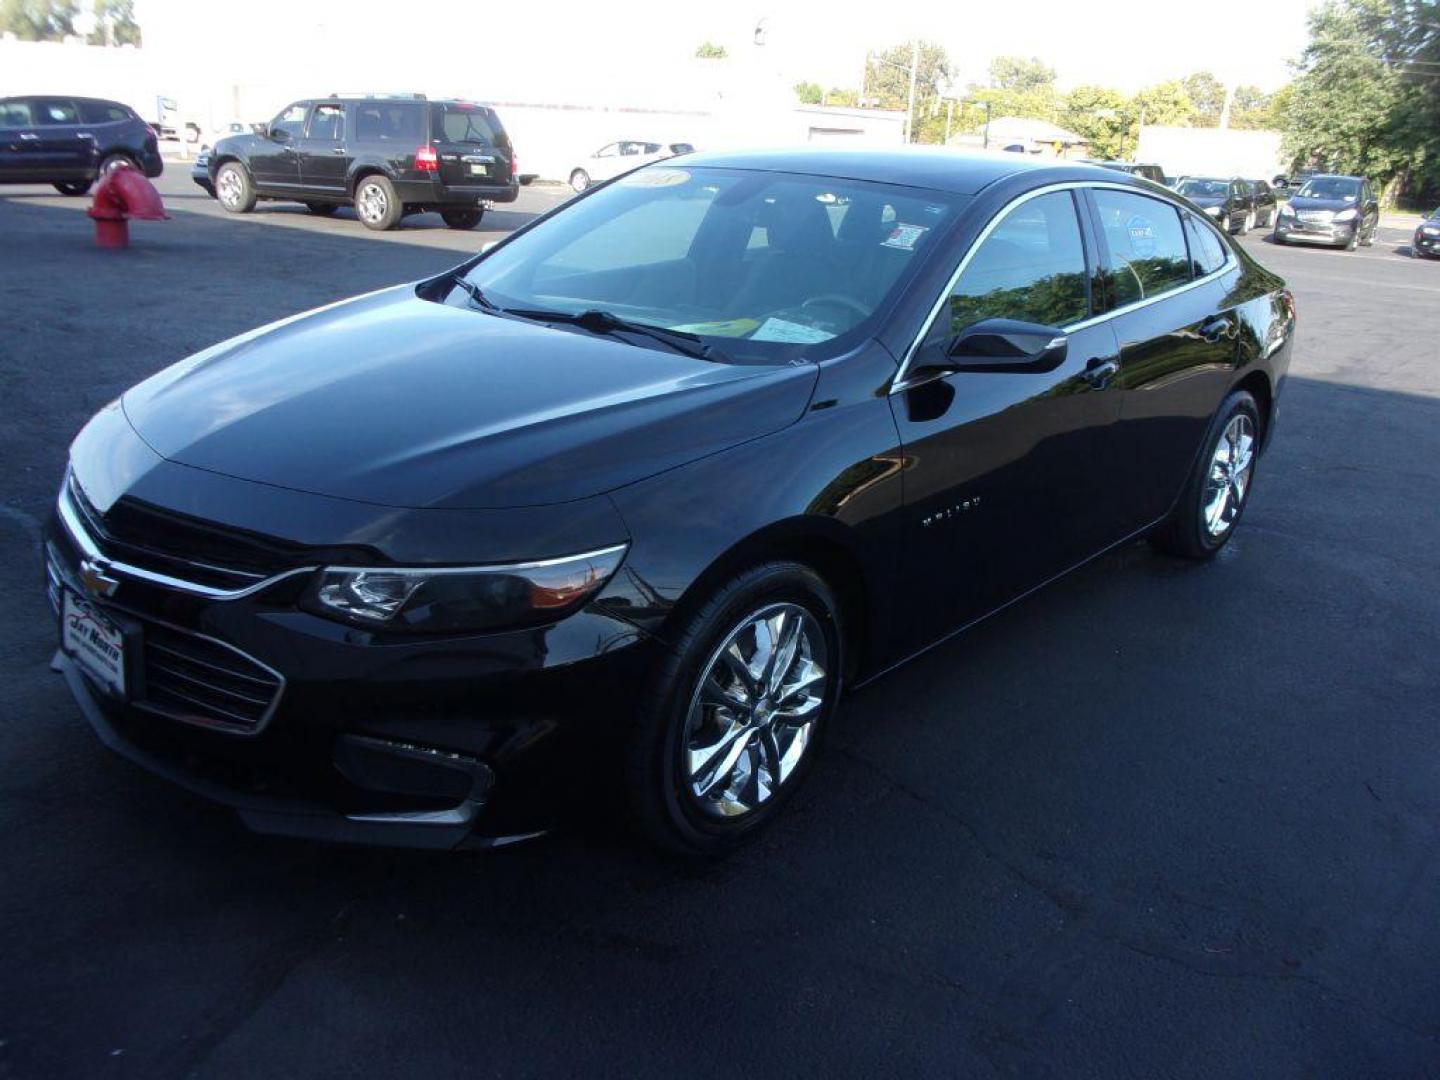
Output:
x,y
603,322
477,296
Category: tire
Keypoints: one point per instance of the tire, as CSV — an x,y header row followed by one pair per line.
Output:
x,y
1247,222
1354,241
234,189
1193,530
579,180
376,203
73,187
462,219
1368,240
670,729
111,162
321,209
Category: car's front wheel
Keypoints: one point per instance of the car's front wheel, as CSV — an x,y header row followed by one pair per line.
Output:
x,y
730,722
1209,508
73,187
462,219
579,180
233,188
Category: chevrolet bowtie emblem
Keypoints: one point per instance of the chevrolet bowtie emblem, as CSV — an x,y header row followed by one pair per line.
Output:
x,y
96,581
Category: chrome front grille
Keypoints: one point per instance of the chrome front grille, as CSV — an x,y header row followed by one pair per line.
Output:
x,y
199,680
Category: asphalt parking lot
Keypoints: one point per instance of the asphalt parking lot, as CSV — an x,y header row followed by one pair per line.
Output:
x,y
1158,820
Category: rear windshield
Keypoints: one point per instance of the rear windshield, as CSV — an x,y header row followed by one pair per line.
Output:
x,y
468,124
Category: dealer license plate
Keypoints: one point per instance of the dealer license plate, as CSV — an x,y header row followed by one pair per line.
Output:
x,y
94,642
479,170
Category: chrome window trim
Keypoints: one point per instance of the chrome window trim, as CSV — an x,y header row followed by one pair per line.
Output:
x,y
901,383
70,518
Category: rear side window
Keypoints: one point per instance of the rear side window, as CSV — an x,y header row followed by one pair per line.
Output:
x,y
328,122
1031,267
1207,251
103,112
55,111
1147,251
681,148
390,123
468,124
16,114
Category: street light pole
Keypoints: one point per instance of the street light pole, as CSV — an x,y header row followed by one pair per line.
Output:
x,y
910,106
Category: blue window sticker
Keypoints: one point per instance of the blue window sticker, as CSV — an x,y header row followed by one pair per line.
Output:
x,y
1142,236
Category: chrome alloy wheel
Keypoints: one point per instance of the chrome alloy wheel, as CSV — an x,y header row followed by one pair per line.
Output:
x,y
228,187
752,715
372,204
1229,478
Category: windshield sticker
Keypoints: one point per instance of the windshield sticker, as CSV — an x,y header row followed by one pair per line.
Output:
x,y
792,332
1142,236
655,178
905,237
729,328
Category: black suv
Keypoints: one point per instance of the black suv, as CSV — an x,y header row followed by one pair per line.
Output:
x,y
387,156
69,141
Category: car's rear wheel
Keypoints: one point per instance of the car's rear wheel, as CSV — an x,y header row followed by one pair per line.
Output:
x,y
233,188
1209,508
462,219
730,722
116,161
579,180
73,187
376,203
322,209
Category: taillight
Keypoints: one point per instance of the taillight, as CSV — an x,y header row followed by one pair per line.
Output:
x,y
426,160
514,165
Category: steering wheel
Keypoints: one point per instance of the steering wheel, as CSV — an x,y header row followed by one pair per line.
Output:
x,y
838,300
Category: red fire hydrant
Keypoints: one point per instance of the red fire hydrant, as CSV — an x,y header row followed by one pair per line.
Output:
x,y
123,194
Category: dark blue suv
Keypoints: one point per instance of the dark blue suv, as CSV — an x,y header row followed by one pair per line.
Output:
x,y
69,141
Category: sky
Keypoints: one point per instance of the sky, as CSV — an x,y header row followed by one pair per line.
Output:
x,y
517,50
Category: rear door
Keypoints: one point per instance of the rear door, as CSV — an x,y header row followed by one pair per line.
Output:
x,y
472,145
17,139
64,146
324,159
1168,275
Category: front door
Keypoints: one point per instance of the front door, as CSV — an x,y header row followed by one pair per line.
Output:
x,y
324,161
1008,475
274,160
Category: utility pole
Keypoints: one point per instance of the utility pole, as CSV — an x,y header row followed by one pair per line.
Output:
x,y
910,107
949,112
1225,109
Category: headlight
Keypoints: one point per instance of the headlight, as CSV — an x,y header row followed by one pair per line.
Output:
x,y
1287,210
1345,215
1213,211
1430,230
457,599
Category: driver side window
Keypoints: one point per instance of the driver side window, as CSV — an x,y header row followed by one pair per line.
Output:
x,y
607,151
1031,267
291,121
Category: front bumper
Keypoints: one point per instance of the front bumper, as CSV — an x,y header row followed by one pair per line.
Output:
x,y
425,742
1426,245
200,173
1315,232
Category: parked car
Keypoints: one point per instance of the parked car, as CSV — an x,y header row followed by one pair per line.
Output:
x,y
1426,242
1338,211
611,513
615,158
1150,172
69,141
1227,202
1263,202
388,156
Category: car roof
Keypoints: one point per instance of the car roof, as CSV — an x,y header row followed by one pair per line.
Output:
x,y
935,167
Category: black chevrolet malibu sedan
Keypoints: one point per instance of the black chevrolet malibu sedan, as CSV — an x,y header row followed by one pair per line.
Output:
x,y
609,516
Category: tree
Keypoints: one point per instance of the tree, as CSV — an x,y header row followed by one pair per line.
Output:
x,y
115,23
1207,95
39,20
1164,103
1252,109
809,93
887,85
1020,74
1103,116
708,50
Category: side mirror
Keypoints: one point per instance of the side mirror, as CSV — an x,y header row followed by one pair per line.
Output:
x,y
994,345
276,134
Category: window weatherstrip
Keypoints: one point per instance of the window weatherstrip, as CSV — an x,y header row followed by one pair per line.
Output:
x,y
901,383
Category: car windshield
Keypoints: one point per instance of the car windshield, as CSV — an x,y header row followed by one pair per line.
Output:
x,y
765,266
1331,187
1205,188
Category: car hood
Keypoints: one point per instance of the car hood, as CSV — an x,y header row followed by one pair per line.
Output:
x,y
1307,203
398,401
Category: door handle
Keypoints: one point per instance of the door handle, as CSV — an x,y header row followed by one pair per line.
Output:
x,y
29,136
1100,370
1215,329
